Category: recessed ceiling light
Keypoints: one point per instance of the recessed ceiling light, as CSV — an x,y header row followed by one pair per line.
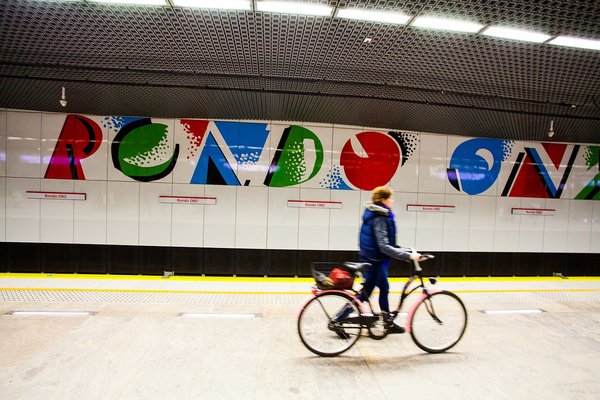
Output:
x,y
515,34
374,16
133,2
294,8
581,43
217,4
446,24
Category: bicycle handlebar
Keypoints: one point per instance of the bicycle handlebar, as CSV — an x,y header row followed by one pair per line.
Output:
x,y
417,267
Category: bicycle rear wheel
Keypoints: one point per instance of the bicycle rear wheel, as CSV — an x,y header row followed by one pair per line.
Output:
x,y
318,330
439,322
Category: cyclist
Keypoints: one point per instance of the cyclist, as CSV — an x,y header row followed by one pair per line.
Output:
x,y
378,247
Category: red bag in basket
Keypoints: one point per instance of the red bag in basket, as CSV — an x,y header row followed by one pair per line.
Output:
x,y
341,279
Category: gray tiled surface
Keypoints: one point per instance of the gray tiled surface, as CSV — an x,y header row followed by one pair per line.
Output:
x,y
136,347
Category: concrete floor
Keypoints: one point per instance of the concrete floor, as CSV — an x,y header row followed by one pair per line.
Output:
x,y
137,346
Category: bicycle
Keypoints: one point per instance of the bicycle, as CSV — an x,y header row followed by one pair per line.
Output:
x,y
436,321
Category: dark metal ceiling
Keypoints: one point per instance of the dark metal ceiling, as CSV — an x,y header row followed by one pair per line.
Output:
x,y
177,62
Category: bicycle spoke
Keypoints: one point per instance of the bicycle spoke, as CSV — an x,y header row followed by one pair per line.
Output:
x,y
438,322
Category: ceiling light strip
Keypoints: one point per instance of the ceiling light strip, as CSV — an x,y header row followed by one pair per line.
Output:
x,y
446,24
373,16
244,5
285,7
133,2
504,32
580,43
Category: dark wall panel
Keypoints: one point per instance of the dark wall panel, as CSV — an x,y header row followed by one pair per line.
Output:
x,y
251,262
454,264
90,259
479,264
23,257
528,264
504,264
153,260
123,260
552,263
219,261
305,257
187,260
282,263
57,258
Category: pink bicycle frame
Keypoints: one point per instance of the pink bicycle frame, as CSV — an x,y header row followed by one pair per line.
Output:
x,y
413,308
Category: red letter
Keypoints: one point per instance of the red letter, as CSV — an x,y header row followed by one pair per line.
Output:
x,y
80,138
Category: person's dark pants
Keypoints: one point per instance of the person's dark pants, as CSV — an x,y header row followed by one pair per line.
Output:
x,y
377,276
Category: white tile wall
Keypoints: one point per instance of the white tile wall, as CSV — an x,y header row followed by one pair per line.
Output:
x,y
282,232
595,243
2,209
123,213
344,223
90,221
580,226
251,217
506,235
313,223
56,216
23,130
555,226
187,224
22,214
406,177
433,163
406,222
456,224
2,142
430,225
531,228
482,220
155,217
220,219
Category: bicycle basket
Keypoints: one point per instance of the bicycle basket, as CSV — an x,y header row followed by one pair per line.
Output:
x,y
331,276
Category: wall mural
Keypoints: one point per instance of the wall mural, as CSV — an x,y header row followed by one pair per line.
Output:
x,y
230,153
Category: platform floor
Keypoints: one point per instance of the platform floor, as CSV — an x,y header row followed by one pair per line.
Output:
x,y
136,344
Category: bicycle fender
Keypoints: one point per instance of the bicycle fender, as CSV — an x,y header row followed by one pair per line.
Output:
x,y
361,306
413,308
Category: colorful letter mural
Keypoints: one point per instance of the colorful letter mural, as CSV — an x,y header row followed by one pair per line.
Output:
x,y
253,154
591,191
79,138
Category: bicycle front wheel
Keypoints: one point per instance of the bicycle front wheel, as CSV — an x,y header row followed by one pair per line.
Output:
x,y
439,322
322,326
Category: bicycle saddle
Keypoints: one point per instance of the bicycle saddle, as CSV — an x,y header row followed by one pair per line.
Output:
x,y
356,267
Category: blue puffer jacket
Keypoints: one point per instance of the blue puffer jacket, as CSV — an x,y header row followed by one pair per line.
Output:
x,y
378,217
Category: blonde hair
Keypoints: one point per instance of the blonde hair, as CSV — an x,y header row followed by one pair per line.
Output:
x,y
381,193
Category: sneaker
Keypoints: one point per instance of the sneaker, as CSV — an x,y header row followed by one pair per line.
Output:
x,y
391,327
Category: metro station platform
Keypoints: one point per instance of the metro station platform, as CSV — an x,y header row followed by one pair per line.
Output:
x,y
148,337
